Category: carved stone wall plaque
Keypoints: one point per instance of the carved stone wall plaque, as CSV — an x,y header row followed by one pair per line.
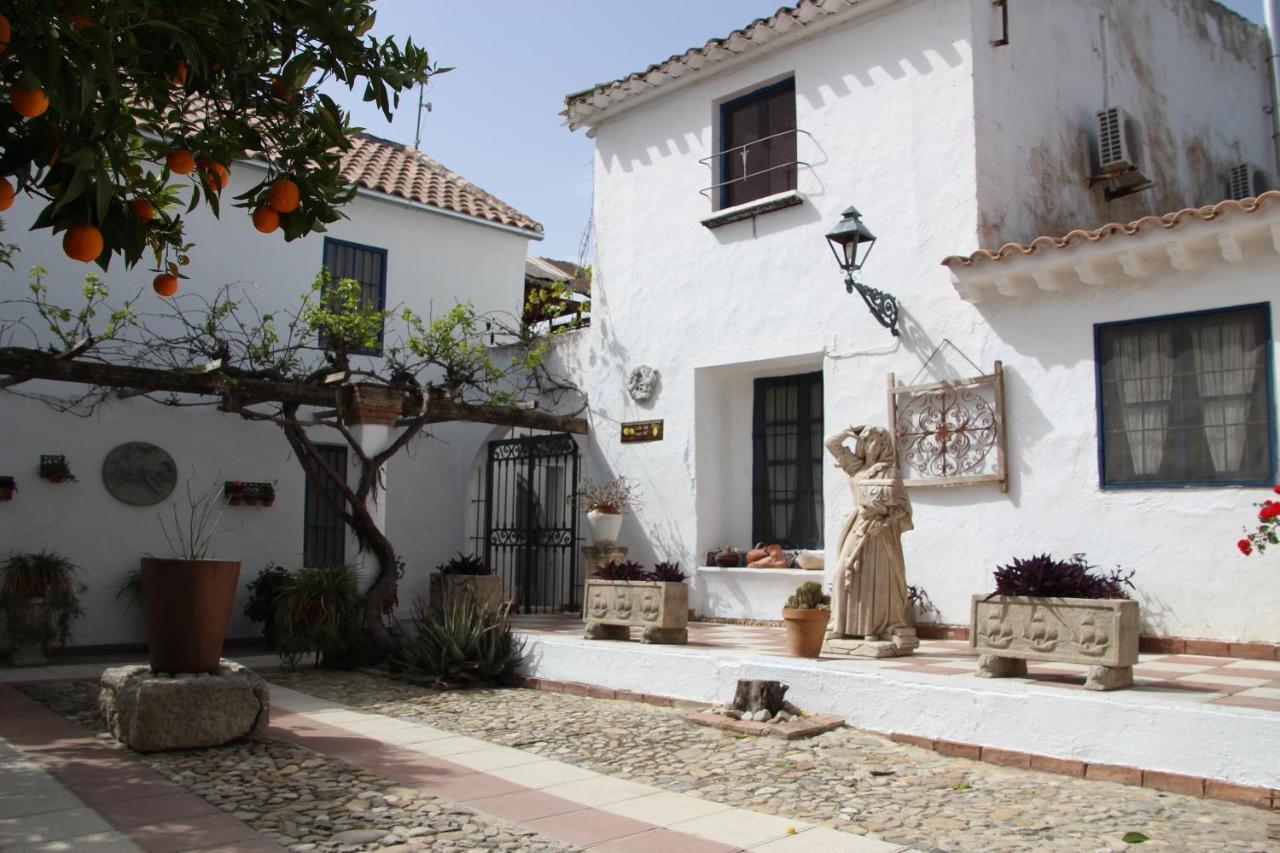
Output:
x,y
139,474
950,433
642,383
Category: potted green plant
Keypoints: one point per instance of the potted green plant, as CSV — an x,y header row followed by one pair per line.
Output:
x,y
621,594
1057,610
467,574
187,598
605,503
806,614
263,606
40,598
318,612
455,643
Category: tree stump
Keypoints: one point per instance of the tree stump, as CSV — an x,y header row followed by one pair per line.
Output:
x,y
752,696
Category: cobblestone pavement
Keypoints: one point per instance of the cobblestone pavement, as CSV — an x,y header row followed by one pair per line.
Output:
x,y
848,779
307,801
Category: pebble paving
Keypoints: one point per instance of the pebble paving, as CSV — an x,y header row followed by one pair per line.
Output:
x,y
848,779
304,800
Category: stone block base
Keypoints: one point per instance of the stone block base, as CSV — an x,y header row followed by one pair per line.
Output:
x,y
665,636
599,631
1108,677
799,727
902,642
152,713
990,666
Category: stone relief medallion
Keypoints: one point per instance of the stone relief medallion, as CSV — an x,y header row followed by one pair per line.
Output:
x,y
139,474
949,433
642,384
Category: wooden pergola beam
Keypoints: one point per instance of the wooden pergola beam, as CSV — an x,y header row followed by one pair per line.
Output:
x,y
27,364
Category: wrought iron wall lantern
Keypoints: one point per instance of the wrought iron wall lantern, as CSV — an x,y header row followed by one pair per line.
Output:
x,y
851,243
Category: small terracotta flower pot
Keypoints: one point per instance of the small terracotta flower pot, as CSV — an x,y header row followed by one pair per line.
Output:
x,y
806,630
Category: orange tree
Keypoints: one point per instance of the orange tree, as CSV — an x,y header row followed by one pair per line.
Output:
x,y
123,115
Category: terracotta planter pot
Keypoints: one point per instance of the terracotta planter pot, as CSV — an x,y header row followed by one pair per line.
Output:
x,y
805,631
187,604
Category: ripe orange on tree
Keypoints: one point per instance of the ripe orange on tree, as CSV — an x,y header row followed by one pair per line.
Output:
x,y
179,75
142,209
29,102
5,33
180,161
165,284
83,242
284,196
266,220
216,175
6,194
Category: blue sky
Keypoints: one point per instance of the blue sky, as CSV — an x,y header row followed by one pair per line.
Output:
x,y
495,118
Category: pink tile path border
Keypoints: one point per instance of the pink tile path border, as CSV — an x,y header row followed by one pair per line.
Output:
x,y
551,816
153,812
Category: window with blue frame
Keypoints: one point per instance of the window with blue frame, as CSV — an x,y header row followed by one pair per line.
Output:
x,y
365,264
1186,400
758,144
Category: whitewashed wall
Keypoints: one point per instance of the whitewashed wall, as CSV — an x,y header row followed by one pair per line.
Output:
x,y
433,260
1192,72
890,103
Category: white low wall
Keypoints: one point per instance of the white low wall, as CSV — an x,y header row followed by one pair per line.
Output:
x,y
1128,728
739,593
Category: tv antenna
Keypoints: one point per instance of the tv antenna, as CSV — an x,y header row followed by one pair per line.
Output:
x,y
417,134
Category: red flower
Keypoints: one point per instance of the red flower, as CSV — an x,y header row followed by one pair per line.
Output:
x,y
1245,546
1270,510
1276,490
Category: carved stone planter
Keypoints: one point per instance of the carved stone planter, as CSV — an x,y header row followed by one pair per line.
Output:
x,y
1008,631
486,590
610,608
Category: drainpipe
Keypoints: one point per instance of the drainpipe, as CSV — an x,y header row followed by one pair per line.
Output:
x,y
1273,66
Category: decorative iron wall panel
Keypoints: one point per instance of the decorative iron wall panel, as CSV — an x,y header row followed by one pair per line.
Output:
x,y
950,433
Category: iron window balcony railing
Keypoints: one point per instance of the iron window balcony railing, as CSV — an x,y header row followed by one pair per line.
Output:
x,y
717,161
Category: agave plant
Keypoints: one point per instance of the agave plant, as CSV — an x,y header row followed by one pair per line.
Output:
x,y
457,643
44,576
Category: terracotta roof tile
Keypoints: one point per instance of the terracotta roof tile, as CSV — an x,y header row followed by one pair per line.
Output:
x,y
1081,236
789,23
389,167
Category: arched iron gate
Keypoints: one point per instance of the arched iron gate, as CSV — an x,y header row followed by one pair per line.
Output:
x,y
530,522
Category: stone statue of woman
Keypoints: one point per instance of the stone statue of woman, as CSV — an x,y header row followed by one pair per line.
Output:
x,y
871,615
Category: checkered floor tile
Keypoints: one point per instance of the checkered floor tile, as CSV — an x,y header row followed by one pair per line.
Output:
x,y
1221,681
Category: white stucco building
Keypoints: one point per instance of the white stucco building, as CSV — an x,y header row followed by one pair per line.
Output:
x,y
953,126
416,235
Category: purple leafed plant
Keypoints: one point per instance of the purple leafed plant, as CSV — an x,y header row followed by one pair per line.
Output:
x,y
1043,576
464,564
620,570
668,572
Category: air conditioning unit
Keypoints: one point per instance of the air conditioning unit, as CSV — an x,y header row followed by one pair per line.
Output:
x,y
1245,180
1119,154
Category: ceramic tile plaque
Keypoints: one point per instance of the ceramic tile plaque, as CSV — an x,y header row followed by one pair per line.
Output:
x,y
634,431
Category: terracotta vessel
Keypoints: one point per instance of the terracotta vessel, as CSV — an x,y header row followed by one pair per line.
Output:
x,y
757,553
187,604
806,630
729,558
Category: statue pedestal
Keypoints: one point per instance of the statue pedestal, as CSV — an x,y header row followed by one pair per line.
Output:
x,y
902,642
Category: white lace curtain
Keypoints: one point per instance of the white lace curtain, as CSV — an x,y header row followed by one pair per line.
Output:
x,y
1227,356
1218,358
1143,365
